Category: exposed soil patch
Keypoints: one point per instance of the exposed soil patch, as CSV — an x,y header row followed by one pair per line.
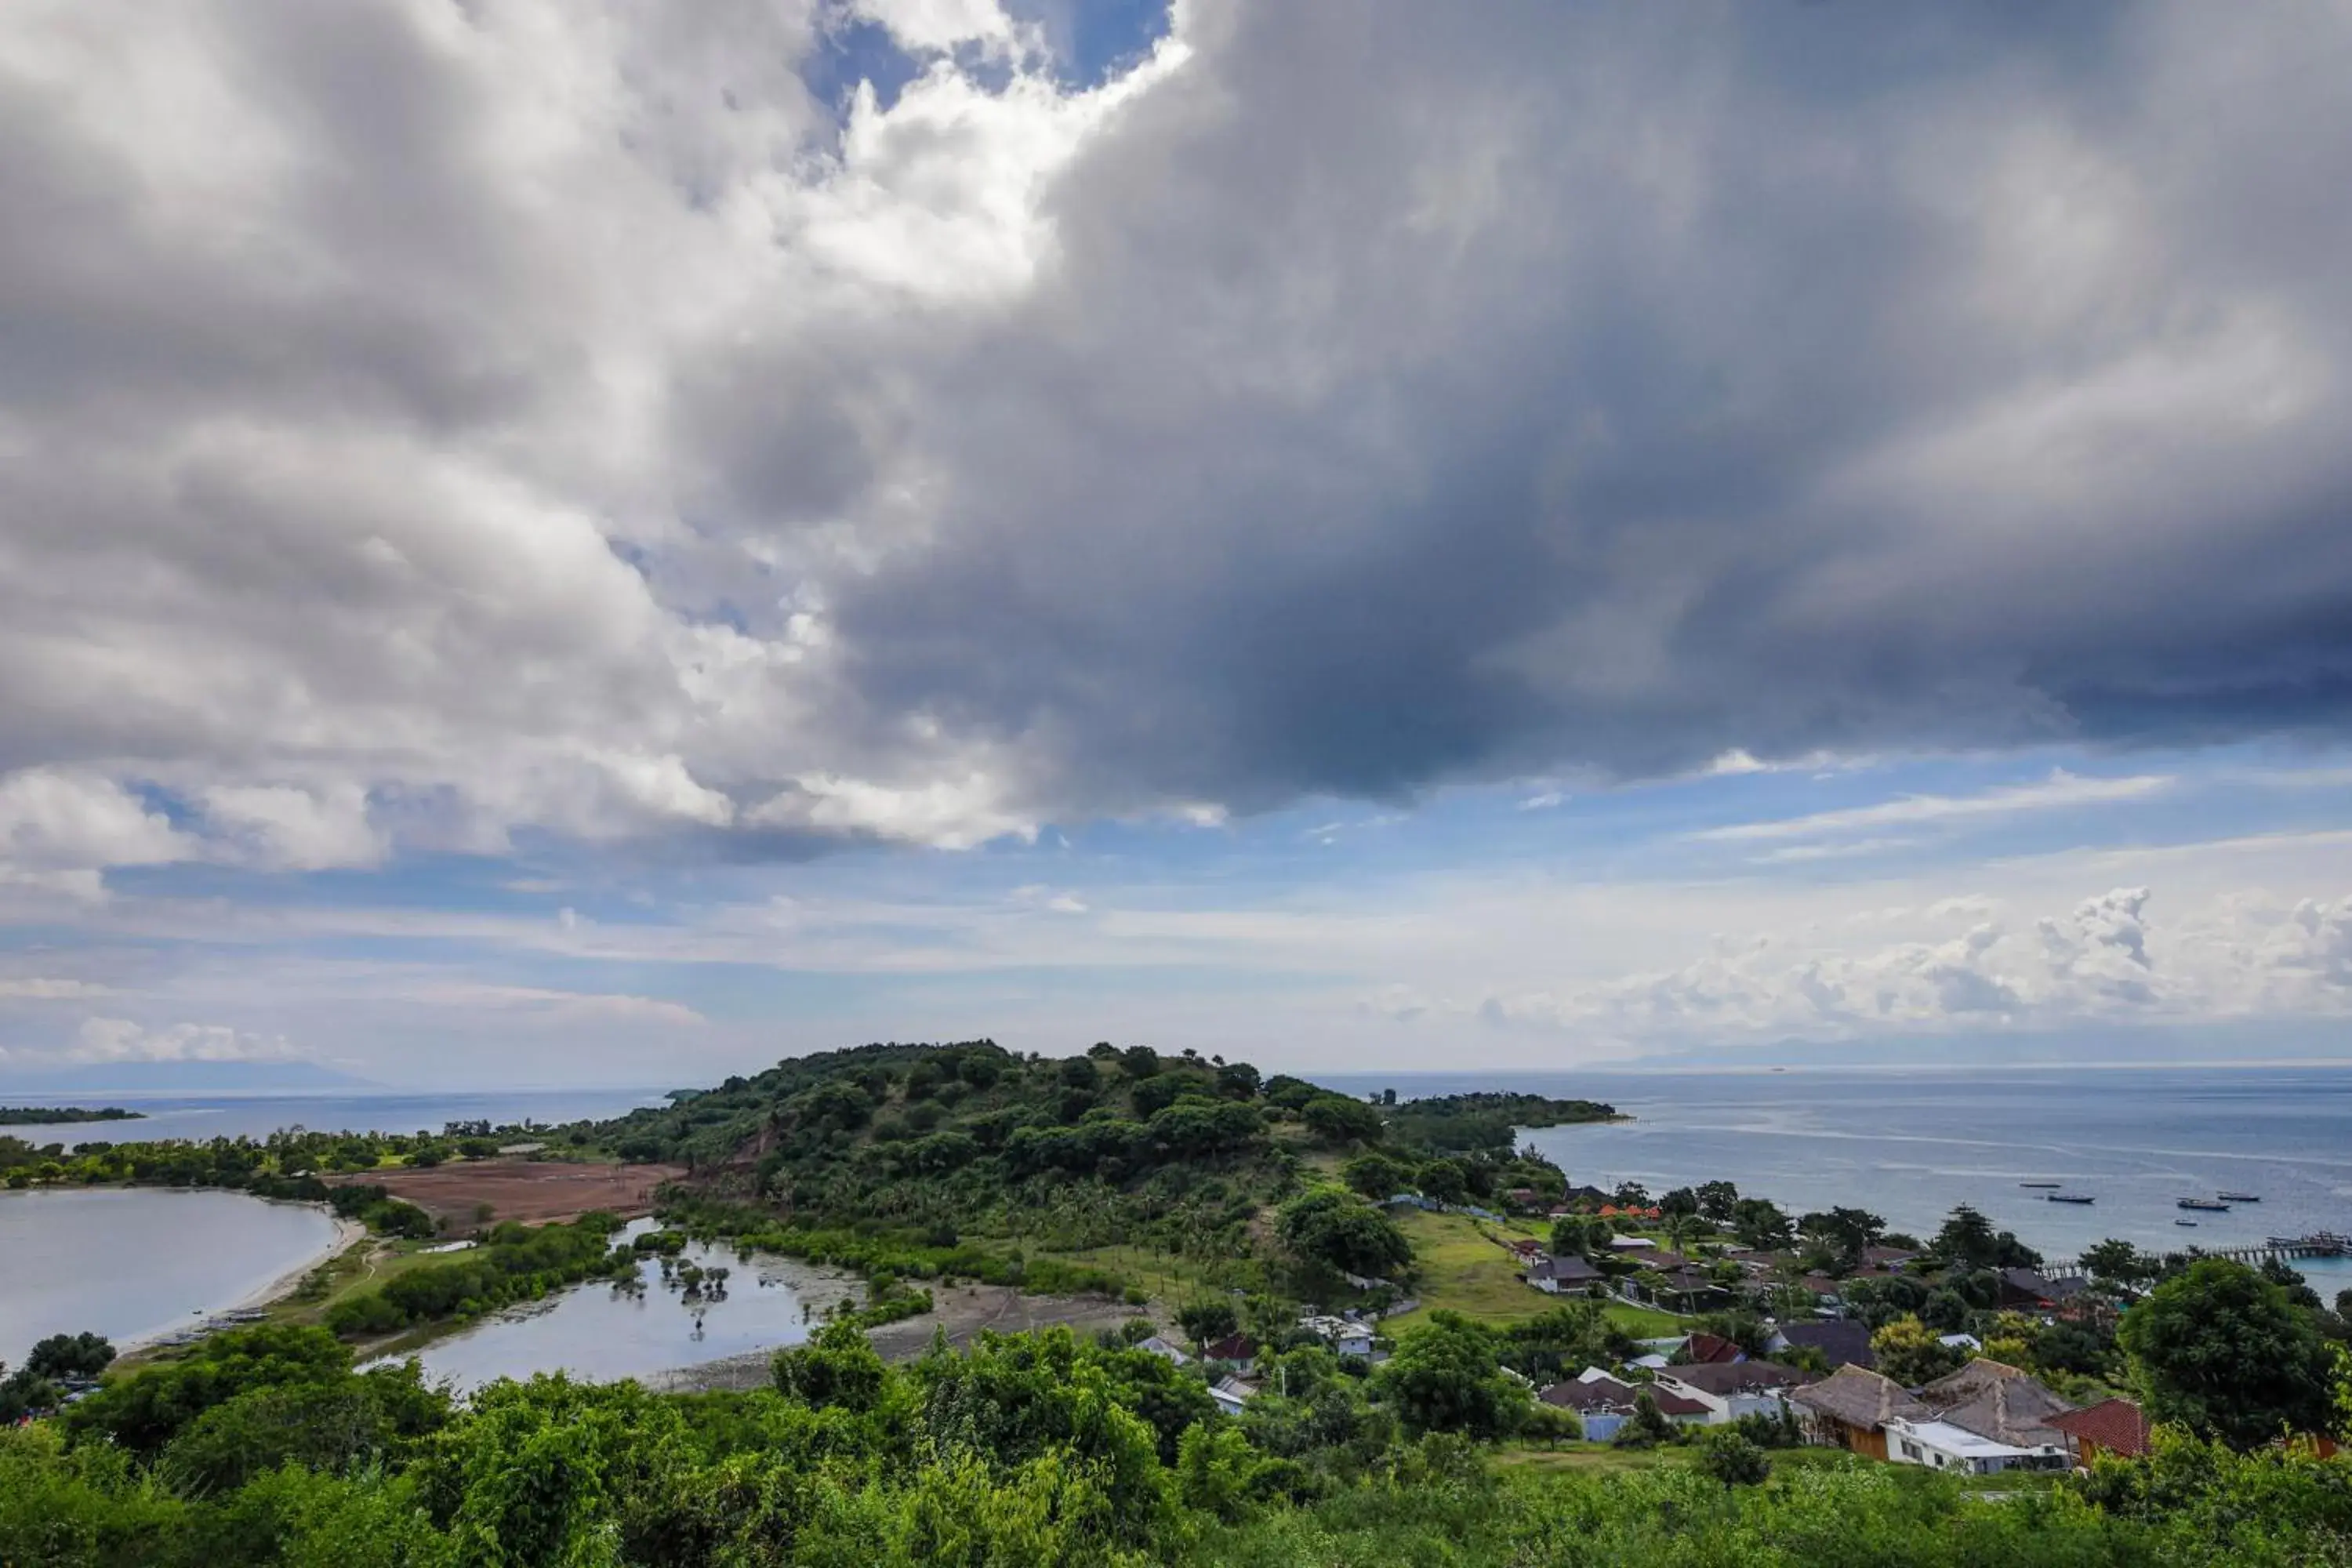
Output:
x,y
532,1190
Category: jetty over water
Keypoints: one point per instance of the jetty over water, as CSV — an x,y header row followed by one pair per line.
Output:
x,y
2285,1248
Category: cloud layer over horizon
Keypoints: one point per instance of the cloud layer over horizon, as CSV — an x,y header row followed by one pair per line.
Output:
x,y
723,435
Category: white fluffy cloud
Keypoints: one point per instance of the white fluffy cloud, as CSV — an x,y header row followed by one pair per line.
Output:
x,y
2108,959
421,422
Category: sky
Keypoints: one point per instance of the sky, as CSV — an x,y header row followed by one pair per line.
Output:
x,y
569,542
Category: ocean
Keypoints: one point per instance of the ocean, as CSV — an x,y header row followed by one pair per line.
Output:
x,y
258,1115
1910,1144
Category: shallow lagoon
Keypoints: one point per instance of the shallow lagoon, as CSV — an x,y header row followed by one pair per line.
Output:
x,y
133,1262
602,1332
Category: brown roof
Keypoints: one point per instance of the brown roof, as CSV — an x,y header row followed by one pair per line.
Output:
x,y
1673,1404
1993,1399
1859,1399
1705,1347
2115,1425
1232,1347
1722,1378
1601,1394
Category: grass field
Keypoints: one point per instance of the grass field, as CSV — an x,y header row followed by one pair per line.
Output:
x,y
1463,1271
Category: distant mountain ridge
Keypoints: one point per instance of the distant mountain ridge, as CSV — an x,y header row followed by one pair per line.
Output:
x,y
182,1077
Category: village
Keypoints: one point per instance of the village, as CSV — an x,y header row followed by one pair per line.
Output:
x,y
1821,1330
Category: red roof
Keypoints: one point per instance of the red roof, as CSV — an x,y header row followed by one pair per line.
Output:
x,y
2115,1425
1706,1348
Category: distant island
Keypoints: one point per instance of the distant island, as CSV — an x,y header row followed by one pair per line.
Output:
x,y
59,1115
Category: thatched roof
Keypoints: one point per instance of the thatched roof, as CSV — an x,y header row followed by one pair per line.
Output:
x,y
1993,1399
1859,1397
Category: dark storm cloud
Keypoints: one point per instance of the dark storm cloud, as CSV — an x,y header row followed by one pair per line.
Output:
x,y
1416,398
556,412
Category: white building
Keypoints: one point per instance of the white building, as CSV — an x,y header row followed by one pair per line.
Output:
x,y
1346,1336
1231,1394
1939,1445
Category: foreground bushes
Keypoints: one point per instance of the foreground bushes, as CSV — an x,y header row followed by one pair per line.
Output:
x,y
1040,1449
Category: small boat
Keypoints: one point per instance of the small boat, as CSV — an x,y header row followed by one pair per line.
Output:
x,y
2051,1185
2190,1222
2071,1198
2208,1205
2239,1197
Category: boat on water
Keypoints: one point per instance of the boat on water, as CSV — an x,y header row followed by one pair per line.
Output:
x,y
2239,1197
2054,1185
2209,1205
2190,1222
2071,1198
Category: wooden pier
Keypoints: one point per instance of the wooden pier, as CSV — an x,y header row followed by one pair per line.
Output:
x,y
2284,1248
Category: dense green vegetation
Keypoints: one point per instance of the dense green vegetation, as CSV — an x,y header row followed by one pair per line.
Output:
x,y
512,1263
919,1163
968,1161
286,1164
1481,1124
63,1115
265,1447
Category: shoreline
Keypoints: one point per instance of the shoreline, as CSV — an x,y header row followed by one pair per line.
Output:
x,y
347,1233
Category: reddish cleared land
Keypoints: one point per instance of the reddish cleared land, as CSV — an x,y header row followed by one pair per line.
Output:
x,y
532,1190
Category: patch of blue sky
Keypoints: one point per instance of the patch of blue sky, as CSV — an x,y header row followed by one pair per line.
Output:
x,y
855,50
1093,40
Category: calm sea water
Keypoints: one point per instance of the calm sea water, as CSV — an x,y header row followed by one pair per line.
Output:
x,y
1911,1144
602,1334
132,1262
257,1116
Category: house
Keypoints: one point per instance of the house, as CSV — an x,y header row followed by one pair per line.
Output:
x,y
1238,1348
1947,1446
2021,1287
1995,1400
1850,1409
1893,1259
1603,1404
1702,1349
1968,1343
1841,1343
1631,1243
1553,1275
1346,1336
1600,1402
1528,1249
1692,1290
1824,1290
2115,1426
1162,1349
1522,1197
1730,1389
1232,1393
